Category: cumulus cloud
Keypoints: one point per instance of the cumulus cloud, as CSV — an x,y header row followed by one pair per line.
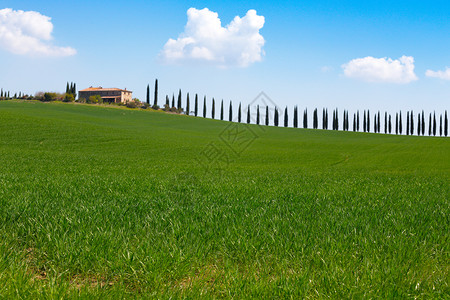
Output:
x,y
445,75
205,40
373,69
28,33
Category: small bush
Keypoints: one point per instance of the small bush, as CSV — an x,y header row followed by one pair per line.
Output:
x,y
95,99
131,104
155,107
69,98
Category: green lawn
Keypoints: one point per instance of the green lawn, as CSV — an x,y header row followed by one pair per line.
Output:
x,y
112,202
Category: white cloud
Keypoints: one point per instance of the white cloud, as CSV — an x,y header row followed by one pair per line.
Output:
x,y
373,69
28,33
205,40
445,75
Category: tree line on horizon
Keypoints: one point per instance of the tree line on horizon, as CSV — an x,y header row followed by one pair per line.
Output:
x,y
435,126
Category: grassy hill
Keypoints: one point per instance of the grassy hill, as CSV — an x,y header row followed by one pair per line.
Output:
x,y
113,202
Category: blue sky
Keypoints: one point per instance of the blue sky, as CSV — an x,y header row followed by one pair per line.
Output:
x,y
306,43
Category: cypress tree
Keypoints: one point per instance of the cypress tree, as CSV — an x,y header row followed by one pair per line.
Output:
x,y
419,127
248,114
179,99
385,122
213,108
430,127
196,105
167,101
204,107
155,103
445,124
67,88
354,122
326,118
230,113
221,110
1,94
15,95
390,125
188,104
334,120
8,94
315,121
267,115
396,123
173,101
239,113
305,118
148,95
257,115
368,121
337,119
411,122
296,117
375,123
440,125
400,125
286,117
434,124
276,117
423,123
357,120
407,123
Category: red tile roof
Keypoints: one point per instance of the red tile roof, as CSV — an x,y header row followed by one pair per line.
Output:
x,y
94,89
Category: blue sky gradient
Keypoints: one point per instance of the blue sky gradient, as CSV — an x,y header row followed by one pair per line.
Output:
x,y
118,44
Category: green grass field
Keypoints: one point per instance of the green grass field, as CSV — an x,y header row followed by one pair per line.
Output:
x,y
111,202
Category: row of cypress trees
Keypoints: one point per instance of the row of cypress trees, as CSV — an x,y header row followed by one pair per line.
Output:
x,y
366,124
389,127
6,95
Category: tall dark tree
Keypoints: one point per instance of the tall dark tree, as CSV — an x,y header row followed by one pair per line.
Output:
x,y
411,122
357,120
368,121
375,127
440,125
390,125
275,119
326,118
204,107
196,105
286,117
173,100
315,119
230,113
213,108
248,114
400,123
419,127
396,123
407,123
67,88
239,113
147,99
167,101
257,115
296,117
74,90
385,122
305,118
267,115
434,124
354,122
430,127
445,124
221,110
179,100
155,100
334,119
423,123
188,104
337,119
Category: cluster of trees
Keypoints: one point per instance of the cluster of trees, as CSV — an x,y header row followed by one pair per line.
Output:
x,y
71,92
6,95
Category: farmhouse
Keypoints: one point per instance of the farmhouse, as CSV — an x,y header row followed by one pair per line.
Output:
x,y
109,95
